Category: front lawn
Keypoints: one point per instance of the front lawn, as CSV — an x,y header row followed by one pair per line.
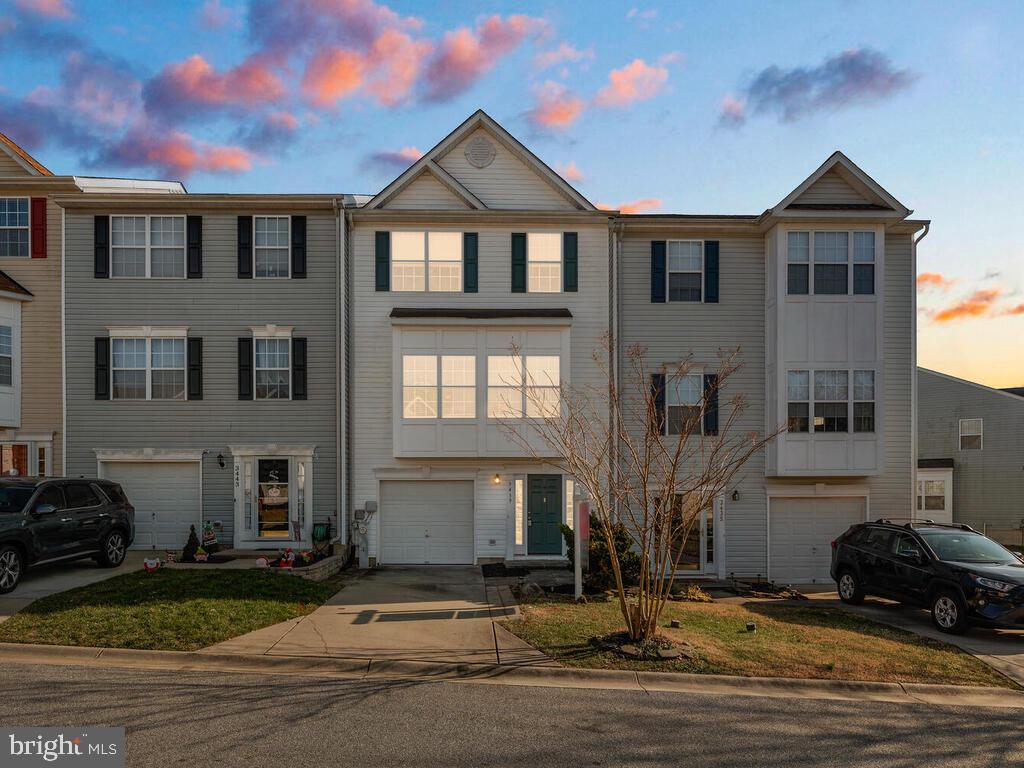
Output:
x,y
790,641
175,610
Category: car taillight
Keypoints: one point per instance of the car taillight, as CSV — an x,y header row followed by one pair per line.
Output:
x,y
835,543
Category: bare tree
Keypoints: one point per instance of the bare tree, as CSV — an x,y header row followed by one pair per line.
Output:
x,y
655,469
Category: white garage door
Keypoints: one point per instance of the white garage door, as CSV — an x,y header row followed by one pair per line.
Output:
x,y
801,533
165,496
426,522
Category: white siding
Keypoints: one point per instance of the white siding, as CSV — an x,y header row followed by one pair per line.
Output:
x,y
426,192
492,508
831,188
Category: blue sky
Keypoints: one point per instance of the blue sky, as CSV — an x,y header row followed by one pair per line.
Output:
x,y
320,95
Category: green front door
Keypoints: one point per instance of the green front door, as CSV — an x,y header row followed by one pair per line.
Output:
x,y
544,514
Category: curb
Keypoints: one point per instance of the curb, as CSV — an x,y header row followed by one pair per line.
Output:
x,y
496,674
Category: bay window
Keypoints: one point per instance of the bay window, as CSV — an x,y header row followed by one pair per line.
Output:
x,y
421,393
799,395
863,401
831,395
830,263
6,356
518,385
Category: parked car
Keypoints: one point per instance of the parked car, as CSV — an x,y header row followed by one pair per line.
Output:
x,y
962,576
43,520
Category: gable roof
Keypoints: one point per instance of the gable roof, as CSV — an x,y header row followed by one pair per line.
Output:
x,y
9,285
23,158
479,119
875,197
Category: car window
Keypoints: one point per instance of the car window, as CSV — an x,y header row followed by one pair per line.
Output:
x,y
879,539
114,492
905,544
51,494
14,499
80,495
966,547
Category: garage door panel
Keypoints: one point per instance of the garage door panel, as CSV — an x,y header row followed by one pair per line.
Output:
x,y
801,535
426,522
165,496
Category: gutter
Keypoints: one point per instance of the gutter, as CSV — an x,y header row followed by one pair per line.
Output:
x,y
339,403
913,373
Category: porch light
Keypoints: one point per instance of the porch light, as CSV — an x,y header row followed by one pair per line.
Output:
x,y
220,460
735,495
497,479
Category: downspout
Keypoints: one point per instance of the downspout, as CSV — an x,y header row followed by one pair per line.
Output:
x,y
63,354
616,230
339,404
913,365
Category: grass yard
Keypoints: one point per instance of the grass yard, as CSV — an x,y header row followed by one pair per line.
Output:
x,y
790,641
175,610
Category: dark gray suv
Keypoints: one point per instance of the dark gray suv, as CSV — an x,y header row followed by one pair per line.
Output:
x,y
43,520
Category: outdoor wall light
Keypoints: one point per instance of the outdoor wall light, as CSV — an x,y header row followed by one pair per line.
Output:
x,y
497,478
735,494
220,460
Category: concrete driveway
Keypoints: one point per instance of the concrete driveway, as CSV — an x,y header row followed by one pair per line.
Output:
x,y
60,577
437,614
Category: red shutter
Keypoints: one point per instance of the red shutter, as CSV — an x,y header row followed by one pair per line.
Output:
x,y
37,219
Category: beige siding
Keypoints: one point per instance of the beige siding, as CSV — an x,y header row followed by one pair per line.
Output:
x,y
426,192
11,167
831,188
508,182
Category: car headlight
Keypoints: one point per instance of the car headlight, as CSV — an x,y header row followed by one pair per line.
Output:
x,y
998,586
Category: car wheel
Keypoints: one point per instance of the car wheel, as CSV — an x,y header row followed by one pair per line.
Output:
x,y
12,566
949,612
113,550
850,590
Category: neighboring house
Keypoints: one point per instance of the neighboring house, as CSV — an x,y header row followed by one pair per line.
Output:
x,y
201,345
970,447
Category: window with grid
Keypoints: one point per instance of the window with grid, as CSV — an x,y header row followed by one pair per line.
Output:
x,y
799,259
831,401
931,495
426,261
272,246
504,387
543,386
408,261
458,387
273,369
864,263
147,246
831,259
971,434
685,269
419,386
14,226
863,401
128,369
127,246
544,262
148,369
683,398
798,392
6,356
444,261
167,357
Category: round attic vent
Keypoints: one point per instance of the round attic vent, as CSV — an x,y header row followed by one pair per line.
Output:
x,y
480,152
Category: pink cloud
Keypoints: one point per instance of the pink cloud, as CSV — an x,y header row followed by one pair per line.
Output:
x,y
733,111
936,280
643,205
570,172
176,154
52,9
1017,310
331,75
394,161
637,81
179,89
213,15
556,107
564,53
397,61
977,304
465,55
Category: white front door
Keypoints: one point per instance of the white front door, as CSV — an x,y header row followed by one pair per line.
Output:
x,y
166,497
426,522
800,535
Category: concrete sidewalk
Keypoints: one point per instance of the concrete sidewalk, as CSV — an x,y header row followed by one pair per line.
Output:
x,y
428,614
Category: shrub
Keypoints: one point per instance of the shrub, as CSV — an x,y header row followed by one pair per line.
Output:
x,y
600,575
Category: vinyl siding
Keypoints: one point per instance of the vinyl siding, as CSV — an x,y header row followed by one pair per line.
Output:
x,y
831,188
426,192
11,167
220,308
988,485
491,511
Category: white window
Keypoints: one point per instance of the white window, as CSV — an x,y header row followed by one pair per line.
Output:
x,y
420,389
831,401
544,262
543,386
864,263
148,368
685,270
863,401
147,246
14,226
833,252
799,259
273,368
504,387
831,255
518,385
419,386
167,372
971,436
683,401
570,505
426,261
458,387
273,247
931,495
128,363
6,356
798,392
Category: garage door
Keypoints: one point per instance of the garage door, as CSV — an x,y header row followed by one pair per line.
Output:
x,y
165,496
426,522
801,533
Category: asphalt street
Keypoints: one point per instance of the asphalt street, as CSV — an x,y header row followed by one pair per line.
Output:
x,y
223,719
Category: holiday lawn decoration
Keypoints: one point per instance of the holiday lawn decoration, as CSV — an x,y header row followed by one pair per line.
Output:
x,y
210,543
188,554
202,555
151,564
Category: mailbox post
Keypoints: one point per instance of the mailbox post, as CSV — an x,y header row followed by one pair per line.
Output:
x,y
582,544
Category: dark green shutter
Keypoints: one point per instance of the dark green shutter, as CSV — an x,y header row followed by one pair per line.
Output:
x,y
470,264
711,404
711,271
658,395
101,246
382,261
194,360
658,271
245,363
102,384
245,246
570,262
518,262
299,376
194,240
298,246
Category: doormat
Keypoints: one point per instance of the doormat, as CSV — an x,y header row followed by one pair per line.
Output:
x,y
217,559
498,570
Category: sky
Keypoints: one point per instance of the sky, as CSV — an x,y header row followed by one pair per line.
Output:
x,y
684,107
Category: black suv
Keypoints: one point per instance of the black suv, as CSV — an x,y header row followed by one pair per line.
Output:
x,y
48,519
962,576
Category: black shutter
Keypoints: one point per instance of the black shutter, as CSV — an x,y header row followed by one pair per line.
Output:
x,y
711,271
298,246
570,262
101,246
470,262
299,377
658,271
658,393
382,261
102,367
245,246
195,247
194,352
245,368
710,403
518,262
